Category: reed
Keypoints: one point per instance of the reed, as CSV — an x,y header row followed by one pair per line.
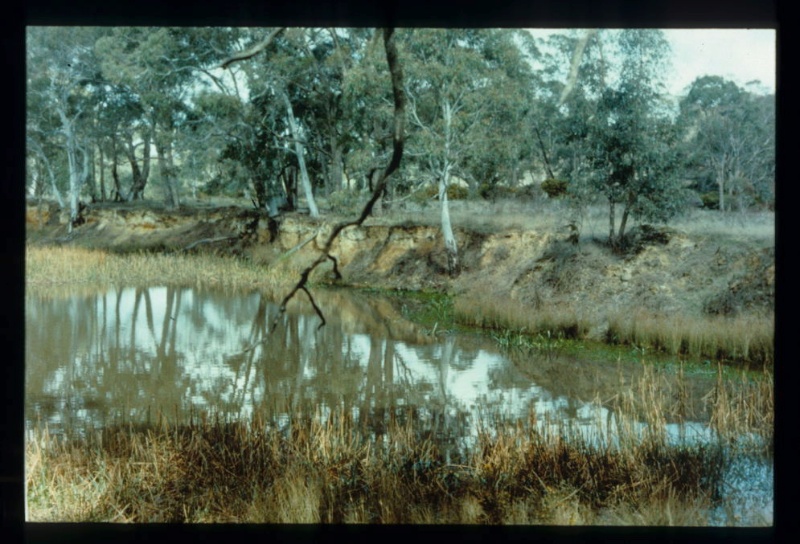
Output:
x,y
47,269
746,339
490,313
335,470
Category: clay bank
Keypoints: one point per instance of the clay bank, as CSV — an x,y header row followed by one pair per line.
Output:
x,y
540,277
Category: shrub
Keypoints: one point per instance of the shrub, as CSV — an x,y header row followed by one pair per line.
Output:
x,y
454,192
710,200
555,188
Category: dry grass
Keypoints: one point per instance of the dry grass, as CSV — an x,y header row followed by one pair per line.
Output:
x,y
746,339
337,471
547,215
743,411
492,313
47,269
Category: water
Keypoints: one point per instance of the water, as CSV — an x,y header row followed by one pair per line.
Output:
x,y
127,354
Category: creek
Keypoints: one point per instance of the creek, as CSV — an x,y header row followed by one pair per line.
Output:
x,y
128,354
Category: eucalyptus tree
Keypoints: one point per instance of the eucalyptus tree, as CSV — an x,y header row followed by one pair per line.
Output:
x,y
281,81
729,141
40,154
632,142
62,79
504,145
458,81
160,66
572,79
368,104
324,108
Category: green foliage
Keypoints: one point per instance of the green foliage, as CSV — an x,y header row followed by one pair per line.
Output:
x,y
547,343
476,107
555,188
729,142
710,200
469,97
633,149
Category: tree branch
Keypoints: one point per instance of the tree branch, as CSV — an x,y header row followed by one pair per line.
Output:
x,y
396,72
577,56
253,51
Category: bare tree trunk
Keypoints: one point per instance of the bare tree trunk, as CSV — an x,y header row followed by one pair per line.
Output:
x,y
299,151
336,166
611,221
54,187
451,248
623,223
139,175
117,195
146,155
88,161
450,245
76,177
167,171
544,154
172,182
721,167
101,157
577,57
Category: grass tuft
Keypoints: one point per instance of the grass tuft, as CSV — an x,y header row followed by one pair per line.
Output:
x,y
337,470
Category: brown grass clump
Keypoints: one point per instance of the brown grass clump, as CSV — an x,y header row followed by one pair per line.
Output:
x,y
747,340
493,313
337,471
49,268
743,411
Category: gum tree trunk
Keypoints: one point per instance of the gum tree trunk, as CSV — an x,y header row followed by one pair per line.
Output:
x,y
167,170
451,248
300,151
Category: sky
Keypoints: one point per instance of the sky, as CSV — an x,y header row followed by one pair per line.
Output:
x,y
740,55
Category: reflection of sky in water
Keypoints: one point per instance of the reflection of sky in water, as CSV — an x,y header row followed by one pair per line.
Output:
x,y
205,332
211,327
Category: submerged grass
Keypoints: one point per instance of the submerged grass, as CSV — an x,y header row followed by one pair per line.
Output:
x,y
388,468
336,471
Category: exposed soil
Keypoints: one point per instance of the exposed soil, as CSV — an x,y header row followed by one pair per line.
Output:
x,y
664,271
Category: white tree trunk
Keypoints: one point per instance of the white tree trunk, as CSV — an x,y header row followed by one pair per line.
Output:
x,y
299,151
577,57
76,178
447,229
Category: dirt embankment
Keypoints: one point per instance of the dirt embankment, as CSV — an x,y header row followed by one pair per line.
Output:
x,y
665,272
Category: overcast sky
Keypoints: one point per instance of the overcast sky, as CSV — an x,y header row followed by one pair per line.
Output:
x,y
737,54
740,55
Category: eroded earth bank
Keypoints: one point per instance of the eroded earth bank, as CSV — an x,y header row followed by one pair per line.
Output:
x,y
665,272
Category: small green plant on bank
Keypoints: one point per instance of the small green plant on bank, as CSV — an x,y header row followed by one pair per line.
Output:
x,y
546,343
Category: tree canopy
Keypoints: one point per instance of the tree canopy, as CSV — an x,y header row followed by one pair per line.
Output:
x,y
163,113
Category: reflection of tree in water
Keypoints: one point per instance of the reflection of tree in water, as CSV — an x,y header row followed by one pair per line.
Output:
x,y
132,352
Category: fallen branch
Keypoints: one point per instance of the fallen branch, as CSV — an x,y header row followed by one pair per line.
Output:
x,y
396,72
296,248
398,140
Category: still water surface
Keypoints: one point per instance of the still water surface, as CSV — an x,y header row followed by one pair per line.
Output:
x,y
130,353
